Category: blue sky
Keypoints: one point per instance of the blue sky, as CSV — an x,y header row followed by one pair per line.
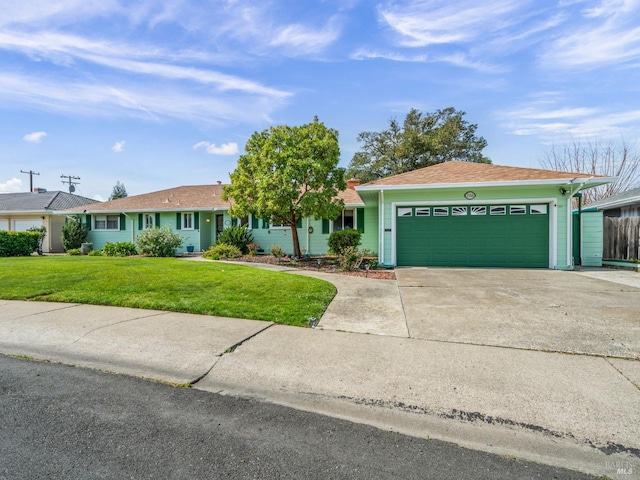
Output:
x,y
160,94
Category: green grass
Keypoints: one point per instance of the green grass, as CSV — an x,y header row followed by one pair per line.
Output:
x,y
171,284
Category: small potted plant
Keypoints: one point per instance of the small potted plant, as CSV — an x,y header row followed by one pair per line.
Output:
x,y
190,248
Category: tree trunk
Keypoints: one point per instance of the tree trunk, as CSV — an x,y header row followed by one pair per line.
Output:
x,y
295,240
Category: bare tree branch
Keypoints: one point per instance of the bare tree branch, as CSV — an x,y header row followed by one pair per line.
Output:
x,y
597,157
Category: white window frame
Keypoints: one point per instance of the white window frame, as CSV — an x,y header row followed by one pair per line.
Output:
x,y
145,224
517,209
405,212
341,218
498,210
183,220
440,211
459,211
423,211
94,220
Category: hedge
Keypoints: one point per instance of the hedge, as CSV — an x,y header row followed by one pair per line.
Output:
x,y
18,244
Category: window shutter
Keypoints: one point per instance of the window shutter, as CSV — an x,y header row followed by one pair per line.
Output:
x,y
157,219
265,223
360,219
299,224
140,224
234,222
325,226
196,220
254,222
88,221
178,221
123,222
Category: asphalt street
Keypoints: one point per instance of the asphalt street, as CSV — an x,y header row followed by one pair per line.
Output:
x,y
67,422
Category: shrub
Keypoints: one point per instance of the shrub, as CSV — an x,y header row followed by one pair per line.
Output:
x,y
236,235
18,244
74,251
222,251
95,253
348,257
159,242
120,249
342,239
74,233
277,251
42,232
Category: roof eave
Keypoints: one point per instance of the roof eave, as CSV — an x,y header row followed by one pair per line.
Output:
x,y
591,182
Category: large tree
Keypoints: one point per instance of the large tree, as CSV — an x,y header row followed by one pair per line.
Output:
x,y
119,191
287,174
598,157
424,139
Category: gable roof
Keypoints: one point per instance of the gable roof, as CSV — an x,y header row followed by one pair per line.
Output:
x,y
630,197
41,202
459,173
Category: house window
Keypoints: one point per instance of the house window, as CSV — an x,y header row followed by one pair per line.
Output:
x,y
423,212
344,221
499,210
149,220
478,210
405,212
458,211
518,210
187,221
106,222
440,211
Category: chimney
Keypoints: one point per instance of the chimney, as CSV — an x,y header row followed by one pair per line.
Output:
x,y
219,182
352,183
39,190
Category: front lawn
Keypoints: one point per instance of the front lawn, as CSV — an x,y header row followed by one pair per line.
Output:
x,y
171,284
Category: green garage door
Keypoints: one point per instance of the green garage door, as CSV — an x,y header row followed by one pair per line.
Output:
x,y
473,235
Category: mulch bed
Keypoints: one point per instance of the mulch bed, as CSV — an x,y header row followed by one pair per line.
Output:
x,y
326,266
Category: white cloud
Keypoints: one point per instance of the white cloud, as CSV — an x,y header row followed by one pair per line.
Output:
x,y
303,39
34,137
11,185
423,23
230,148
118,146
100,198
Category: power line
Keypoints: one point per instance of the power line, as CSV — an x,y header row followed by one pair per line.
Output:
x,y
31,173
70,181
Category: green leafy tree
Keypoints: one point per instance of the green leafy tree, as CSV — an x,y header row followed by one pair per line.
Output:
x,y
74,233
287,174
424,139
119,191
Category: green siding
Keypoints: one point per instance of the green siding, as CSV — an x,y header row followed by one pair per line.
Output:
x,y
592,238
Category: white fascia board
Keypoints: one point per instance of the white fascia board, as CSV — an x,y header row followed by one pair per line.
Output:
x,y
560,181
147,210
25,212
617,203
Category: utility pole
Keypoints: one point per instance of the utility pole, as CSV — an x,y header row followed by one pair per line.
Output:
x,y
70,182
31,173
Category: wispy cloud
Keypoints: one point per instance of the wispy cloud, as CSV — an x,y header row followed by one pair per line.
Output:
x,y
118,147
608,34
11,185
423,23
549,121
230,148
34,137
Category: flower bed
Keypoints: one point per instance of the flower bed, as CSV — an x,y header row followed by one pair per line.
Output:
x,y
326,265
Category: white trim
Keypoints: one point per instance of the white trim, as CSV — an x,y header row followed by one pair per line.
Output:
x,y
106,222
553,229
556,181
381,228
193,221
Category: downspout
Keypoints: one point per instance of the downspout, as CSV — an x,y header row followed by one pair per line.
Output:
x,y
308,251
381,228
580,184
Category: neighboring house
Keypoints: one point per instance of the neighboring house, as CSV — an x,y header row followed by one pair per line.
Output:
x,y
618,227
451,214
21,211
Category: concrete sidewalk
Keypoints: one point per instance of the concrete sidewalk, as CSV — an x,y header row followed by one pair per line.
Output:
x,y
575,411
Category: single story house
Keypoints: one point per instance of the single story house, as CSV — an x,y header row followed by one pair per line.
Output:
x,y
450,214
624,204
21,211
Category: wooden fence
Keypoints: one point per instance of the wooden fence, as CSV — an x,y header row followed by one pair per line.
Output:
x,y
621,238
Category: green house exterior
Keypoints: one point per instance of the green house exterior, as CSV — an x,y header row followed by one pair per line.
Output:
x,y
455,214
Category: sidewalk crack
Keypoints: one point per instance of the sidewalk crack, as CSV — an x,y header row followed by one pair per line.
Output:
x,y
116,323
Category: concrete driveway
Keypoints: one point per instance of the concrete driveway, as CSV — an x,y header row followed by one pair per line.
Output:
x,y
542,310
